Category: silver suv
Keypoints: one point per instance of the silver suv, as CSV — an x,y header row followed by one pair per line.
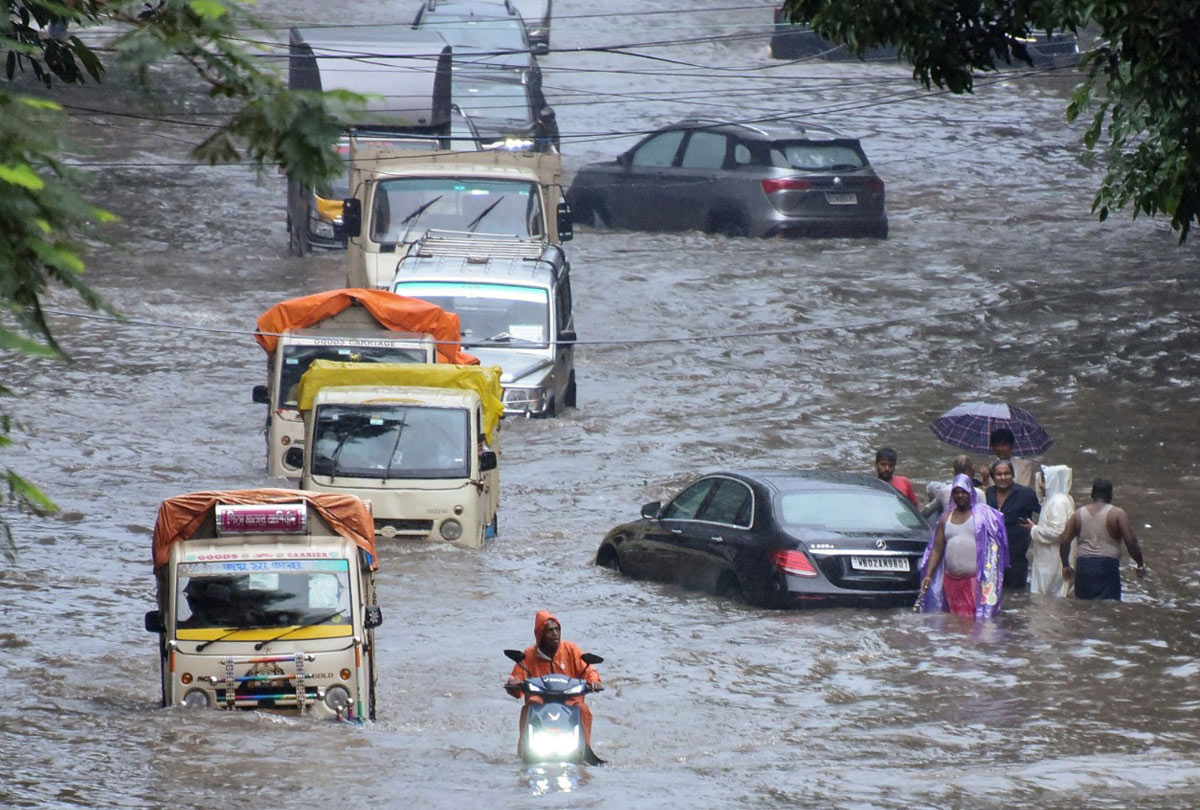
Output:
x,y
738,180
513,300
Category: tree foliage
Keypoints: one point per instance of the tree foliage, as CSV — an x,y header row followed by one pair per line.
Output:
x,y
1141,82
44,218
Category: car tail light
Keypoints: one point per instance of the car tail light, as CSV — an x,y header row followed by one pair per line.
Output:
x,y
771,186
795,563
874,185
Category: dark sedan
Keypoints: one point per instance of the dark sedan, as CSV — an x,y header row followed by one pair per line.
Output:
x,y
778,538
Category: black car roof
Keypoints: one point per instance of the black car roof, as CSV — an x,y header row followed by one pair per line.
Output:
x,y
815,480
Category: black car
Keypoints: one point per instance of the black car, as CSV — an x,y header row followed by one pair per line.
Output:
x,y
778,538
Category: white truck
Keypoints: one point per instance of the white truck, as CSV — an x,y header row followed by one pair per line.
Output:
x,y
420,443
266,600
401,194
360,326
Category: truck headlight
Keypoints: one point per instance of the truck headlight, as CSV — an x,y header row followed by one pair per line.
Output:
x,y
196,699
451,529
337,698
523,399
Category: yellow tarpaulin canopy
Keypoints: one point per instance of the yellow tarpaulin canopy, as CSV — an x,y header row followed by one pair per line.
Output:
x,y
483,380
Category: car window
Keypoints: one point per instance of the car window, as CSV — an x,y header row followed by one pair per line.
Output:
x,y
686,503
852,511
731,503
819,155
659,150
705,150
741,155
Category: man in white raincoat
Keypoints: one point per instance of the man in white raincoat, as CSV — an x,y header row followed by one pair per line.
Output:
x,y
1045,568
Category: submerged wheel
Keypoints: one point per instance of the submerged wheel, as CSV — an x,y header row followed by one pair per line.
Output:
x,y
608,558
728,224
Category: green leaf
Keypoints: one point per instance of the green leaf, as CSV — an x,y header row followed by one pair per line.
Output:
x,y
22,175
208,9
37,103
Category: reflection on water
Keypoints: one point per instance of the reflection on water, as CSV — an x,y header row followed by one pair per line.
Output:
x,y
562,778
1056,704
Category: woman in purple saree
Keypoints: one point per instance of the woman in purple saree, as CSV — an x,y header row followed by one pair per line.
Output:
x,y
963,567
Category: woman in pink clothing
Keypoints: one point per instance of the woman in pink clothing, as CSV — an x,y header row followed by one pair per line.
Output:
x,y
963,567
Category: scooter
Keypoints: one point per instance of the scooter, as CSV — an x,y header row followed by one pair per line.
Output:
x,y
553,729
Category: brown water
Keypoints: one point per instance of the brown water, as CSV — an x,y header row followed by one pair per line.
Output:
x,y
1056,704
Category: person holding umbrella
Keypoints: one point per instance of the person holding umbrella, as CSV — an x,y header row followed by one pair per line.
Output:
x,y
1006,430
1023,469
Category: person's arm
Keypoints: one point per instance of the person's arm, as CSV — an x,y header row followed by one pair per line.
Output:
x,y
1069,533
1125,530
935,554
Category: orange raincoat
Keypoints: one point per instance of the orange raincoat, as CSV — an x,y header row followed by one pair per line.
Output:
x,y
568,660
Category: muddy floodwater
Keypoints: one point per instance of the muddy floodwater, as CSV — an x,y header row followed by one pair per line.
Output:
x,y
996,284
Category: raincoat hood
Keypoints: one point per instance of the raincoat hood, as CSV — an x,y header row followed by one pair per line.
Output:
x,y
963,482
1057,480
539,623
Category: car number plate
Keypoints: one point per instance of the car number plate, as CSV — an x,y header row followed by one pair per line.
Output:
x,y
841,199
879,563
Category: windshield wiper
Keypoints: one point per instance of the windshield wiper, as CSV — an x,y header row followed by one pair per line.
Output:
x,y
221,637
337,451
475,222
399,432
314,622
412,218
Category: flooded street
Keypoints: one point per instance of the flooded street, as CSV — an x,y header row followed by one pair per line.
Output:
x,y
996,284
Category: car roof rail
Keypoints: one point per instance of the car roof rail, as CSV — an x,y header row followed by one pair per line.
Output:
x,y
723,123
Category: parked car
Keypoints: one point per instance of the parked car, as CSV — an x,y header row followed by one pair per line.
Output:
x,y
738,180
490,27
778,538
797,41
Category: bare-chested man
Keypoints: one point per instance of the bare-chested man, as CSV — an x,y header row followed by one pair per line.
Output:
x,y
1101,528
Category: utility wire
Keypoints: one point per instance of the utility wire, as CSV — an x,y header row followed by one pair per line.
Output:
x,y
925,316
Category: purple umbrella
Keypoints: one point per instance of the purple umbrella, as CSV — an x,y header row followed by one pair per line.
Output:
x,y
970,426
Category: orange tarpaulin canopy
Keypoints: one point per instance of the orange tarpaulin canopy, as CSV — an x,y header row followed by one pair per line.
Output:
x,y
179,517
397,312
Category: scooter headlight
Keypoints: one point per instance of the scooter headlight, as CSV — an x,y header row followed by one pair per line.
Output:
x,y
196,699
554,744
337,698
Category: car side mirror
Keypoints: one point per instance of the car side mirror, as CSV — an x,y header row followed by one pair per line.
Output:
x,y
488,460
651,511
351,217
625,159
567,336
294,457
154,622
372,616
547,113
259,395
566,228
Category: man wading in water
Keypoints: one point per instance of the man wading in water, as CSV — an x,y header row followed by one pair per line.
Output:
x,y
1101,528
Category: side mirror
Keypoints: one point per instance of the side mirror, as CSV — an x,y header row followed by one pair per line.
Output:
x,y
294,457
651,511
566,229
372,616
625,159
568,336
590,658
154,623
259,395
488,460
515,655
547,113
351,217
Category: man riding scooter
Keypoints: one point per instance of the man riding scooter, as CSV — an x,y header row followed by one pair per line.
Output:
x,y
552,655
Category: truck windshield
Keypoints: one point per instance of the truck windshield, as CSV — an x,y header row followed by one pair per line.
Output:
x,y
406,206
264,593
391,441
486,99
498,313
297,359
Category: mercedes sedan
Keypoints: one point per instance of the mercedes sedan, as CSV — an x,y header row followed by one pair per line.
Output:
x,y
778,539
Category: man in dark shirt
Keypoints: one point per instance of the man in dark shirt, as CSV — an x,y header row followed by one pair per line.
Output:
x,y
1018,504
